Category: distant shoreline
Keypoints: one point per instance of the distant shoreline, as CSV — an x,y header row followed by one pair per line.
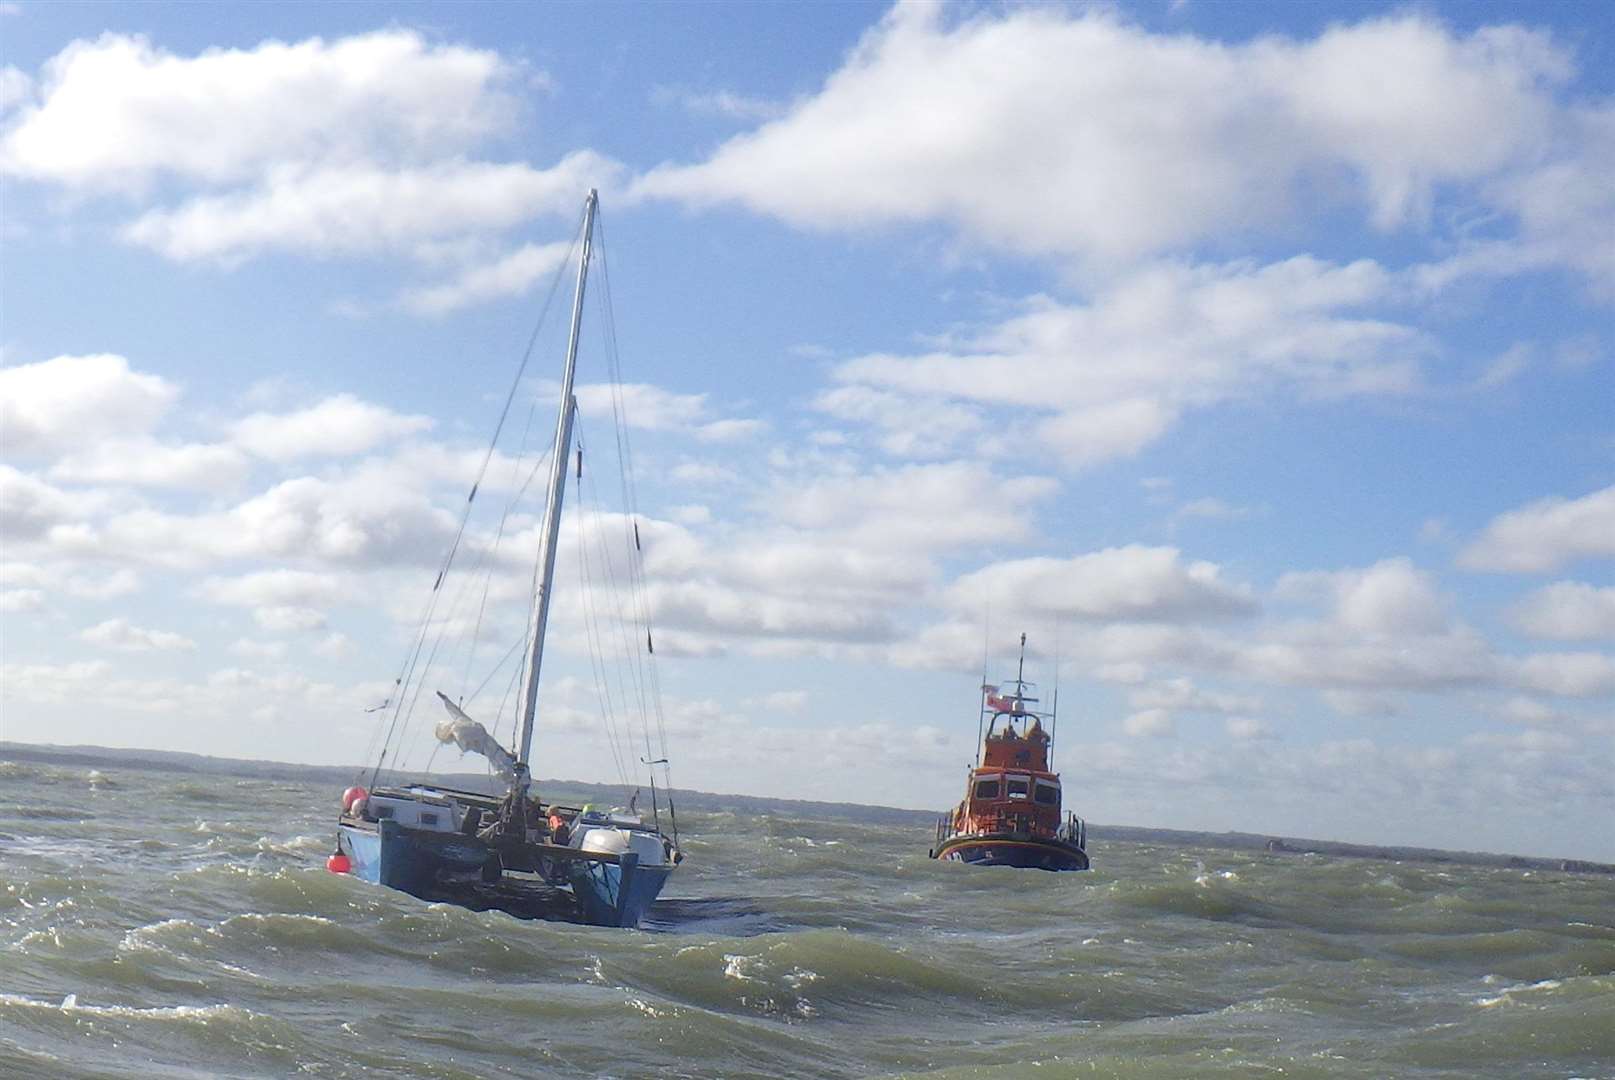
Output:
x,y
179,761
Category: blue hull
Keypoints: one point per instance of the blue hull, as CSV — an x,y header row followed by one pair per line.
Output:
x,y
1021,854
617,894
394,857
602,894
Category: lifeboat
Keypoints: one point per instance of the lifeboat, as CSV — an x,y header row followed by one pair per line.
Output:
x,y
1011,814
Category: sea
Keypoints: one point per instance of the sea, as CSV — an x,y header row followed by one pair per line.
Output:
x,y
164,924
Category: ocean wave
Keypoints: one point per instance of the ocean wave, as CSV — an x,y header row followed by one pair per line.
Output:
x,y
70,1004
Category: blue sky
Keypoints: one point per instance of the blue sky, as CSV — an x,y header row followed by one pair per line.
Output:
x,y
1257,359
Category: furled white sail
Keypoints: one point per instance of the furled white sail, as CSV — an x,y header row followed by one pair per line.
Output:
x,y
472,738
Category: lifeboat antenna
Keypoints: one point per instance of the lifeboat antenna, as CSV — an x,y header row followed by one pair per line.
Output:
x,y
1054,707
981,718
1020,675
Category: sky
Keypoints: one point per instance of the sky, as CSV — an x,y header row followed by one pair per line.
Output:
x,y
1255,360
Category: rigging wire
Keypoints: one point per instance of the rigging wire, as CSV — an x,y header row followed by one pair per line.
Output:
x,y
595,638
412,657
450,620
631,671
499,534
630,495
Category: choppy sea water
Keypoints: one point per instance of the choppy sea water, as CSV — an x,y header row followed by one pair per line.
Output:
x,y
161,924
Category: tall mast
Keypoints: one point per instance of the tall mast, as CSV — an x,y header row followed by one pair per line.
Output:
x,y
552,508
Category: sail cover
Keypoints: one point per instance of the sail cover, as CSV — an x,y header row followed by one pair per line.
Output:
x,y
472,738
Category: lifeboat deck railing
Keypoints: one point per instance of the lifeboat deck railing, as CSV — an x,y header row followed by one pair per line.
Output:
x,y
1074,830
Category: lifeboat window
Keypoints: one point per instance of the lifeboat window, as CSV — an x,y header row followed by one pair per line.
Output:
x,y
428,819
1048,794
987,789
1018,787
384,812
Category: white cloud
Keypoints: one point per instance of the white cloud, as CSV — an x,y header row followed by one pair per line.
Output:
x,y
1524,710
787,701
703,474
1578,353
1125,583
62,580
74,702
1150,723
282,601
63,403
339,426
1545,535
288,620
1336,657
15,87
1182,695
259,650
334,646
273,588
1124,673
1579,674
148,463
1106,378
727,431
1567,611
360,209
914,508
653,408
769,589
1392,597
1361,703
1385,629
1094,138
17,601
1566,207
1506,366
118,112
1213,509
721,103
350,521
51,683
511,275
122,635
691,514
358,146
1088,434
1534,741
910,425
1247,728
31,509
644,406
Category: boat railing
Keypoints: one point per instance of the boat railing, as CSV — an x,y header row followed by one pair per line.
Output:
x,y
1075,830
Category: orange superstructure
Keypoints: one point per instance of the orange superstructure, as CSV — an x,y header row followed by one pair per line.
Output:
x,y
1012,790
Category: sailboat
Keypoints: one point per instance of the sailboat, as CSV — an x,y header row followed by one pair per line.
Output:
x,y
510,850
1011,813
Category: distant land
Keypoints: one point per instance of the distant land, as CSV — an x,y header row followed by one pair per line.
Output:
x,y
711,802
